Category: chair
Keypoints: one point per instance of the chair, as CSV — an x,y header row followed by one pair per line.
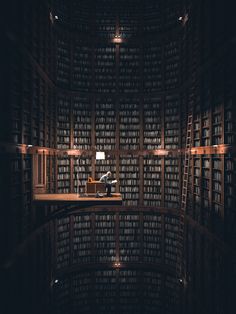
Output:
x,y
93,186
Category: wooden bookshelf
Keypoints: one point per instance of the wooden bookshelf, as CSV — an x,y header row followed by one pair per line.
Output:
x,y
143,112
73,91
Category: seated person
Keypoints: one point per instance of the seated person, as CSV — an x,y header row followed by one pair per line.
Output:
x,y
106,179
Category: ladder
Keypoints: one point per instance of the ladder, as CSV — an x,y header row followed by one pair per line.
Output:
x,y
186,163
187,156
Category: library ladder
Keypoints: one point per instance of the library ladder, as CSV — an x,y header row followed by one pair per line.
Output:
x,y
187,155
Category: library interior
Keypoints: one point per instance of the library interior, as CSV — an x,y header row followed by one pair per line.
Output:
x,y
118,157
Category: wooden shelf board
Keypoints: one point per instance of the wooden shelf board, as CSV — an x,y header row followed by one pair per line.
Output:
x,y
116,199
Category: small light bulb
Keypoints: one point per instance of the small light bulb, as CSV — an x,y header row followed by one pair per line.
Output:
x,y
56,281
56,17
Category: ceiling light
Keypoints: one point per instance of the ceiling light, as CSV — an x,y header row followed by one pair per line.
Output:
x,y
117,39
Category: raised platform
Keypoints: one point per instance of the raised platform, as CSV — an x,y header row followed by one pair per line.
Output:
x,y
83,200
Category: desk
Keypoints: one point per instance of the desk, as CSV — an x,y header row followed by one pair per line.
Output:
x,y
94,187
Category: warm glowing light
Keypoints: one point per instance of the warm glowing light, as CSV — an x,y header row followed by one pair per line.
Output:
x,y
117,39
74,152
161,152
117,264
100,155
41,150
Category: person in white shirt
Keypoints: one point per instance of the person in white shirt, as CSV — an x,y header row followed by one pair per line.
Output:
x,y
106,178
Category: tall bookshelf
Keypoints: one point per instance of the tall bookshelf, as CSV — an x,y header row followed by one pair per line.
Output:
x,y
104,20
172,64
63,243
218,194
172,122
63,175
206,177
79,16
198,182
229,124
105,299
82,122
41,113
72,88
105,124
105,69
169,14
108,290
129,18
127,237
62,295
171,242
14,98
152,18
82,169
129,230
35,106
26,101
152,291
152,181
63,122
81,287
173,290
63,61
172,182
105,238
129,116
81,65
99,239
27,210
229,196
123,99
15,186
82,237
152,238
152,68
217,123
152,123
197,122
129,69
128,290
129,179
